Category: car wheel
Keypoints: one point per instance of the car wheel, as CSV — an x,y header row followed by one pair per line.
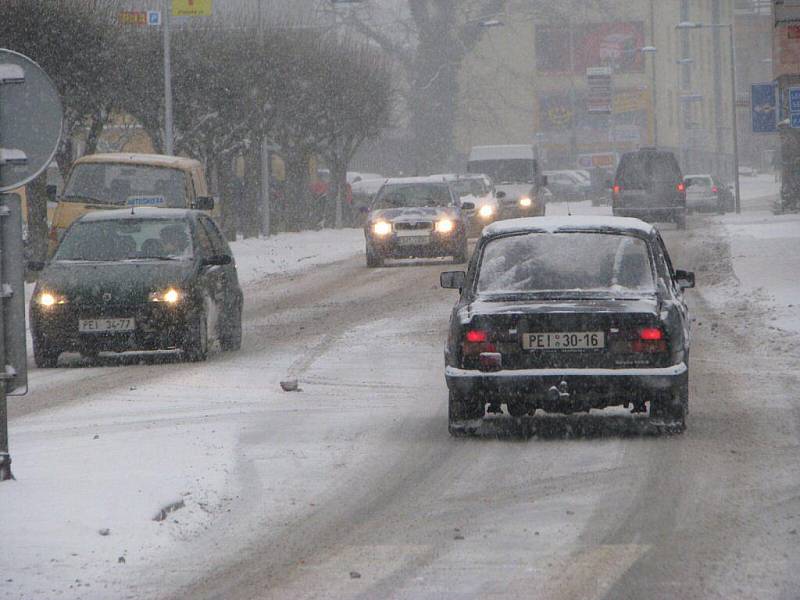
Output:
x,y
463,407
672,406
680,220
231,338
373,259
196,344
517,408
45,358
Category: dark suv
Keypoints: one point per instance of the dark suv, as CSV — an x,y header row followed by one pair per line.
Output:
x,y
649,185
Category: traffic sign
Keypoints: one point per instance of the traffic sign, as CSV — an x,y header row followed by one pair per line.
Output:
x,y
763,108
30,120
794,120
794,99
192,8
154,17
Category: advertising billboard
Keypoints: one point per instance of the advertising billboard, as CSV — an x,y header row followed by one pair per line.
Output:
x,y
576,48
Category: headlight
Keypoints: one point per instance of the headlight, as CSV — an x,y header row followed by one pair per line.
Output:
x,y
525,202
382,228
445,226
48,299
169,296
486,211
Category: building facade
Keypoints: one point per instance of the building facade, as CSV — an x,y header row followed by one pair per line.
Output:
x,y
671,87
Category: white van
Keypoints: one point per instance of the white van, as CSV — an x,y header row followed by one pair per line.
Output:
x,y
517,177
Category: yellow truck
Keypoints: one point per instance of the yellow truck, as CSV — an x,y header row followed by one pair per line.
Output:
x,y
108,181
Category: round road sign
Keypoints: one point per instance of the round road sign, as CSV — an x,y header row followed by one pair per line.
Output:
x,y
30,120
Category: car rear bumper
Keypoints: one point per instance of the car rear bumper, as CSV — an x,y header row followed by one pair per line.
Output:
x,y
585,388
699,202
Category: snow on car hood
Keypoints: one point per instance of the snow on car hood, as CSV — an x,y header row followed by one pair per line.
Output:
x,y
409,214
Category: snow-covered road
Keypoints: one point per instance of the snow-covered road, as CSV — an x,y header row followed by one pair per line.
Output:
x,y
352,488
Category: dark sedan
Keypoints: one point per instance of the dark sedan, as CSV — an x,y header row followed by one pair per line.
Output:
x,y
137,279
416,217
567,314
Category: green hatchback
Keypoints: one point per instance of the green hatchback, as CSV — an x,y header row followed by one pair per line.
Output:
x,y
137,279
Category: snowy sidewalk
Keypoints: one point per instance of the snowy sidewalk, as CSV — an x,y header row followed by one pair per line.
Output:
x,y
93,477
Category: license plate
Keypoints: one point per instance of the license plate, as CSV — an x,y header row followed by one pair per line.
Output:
x,y
417,240
565,340
106,325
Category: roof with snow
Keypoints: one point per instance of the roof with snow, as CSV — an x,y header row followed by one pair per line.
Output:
x,y
569,224
157,160
138,212
513,151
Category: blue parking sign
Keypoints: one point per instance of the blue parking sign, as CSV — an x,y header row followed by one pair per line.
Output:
x,y
795,120
794,99
154,17
763,108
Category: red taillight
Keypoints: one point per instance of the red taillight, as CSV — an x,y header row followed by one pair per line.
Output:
x,y
617,189
651,334
681,187
475,336
477,342
714,189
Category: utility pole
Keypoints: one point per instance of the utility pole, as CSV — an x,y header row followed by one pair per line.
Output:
x,y
168,129
266,163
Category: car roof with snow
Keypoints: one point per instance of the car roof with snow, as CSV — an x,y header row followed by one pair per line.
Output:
x,y
503,152
138,213
155,160
706,175
569,224
410,180
460,176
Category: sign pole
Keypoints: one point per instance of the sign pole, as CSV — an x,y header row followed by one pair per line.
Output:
x,y
5,455
168,149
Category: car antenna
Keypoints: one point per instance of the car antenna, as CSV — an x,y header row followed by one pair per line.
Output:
x,y
133,207
569,209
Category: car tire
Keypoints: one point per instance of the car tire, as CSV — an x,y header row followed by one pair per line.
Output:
x,y
672,407
680,220
463,407
45,358
196,344
373,259
517,408
231,339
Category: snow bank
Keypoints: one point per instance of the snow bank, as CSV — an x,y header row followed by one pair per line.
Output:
x,y
258,258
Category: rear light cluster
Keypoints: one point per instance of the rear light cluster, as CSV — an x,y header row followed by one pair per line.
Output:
x,y
478,351
649,340
617,189
681,187
715,189
477,341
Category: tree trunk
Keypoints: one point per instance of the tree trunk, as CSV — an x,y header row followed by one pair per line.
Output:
x,y
227,196
37,217
300,211
249,221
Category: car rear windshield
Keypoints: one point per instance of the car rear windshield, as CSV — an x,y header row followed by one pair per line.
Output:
x,y
698,182
565,262
508,170
123,184
469,187
126,239
640,171
414,195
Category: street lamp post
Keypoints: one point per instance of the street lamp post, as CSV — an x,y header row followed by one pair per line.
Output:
x,y
652,51
168,149
729,27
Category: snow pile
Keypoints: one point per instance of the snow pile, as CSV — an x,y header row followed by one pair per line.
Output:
x,y
258,258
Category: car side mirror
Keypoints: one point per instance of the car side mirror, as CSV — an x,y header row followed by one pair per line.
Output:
x,y
363,210
35,266
500,195
204,203
609,183
453,280
467,206
684,279
217,260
